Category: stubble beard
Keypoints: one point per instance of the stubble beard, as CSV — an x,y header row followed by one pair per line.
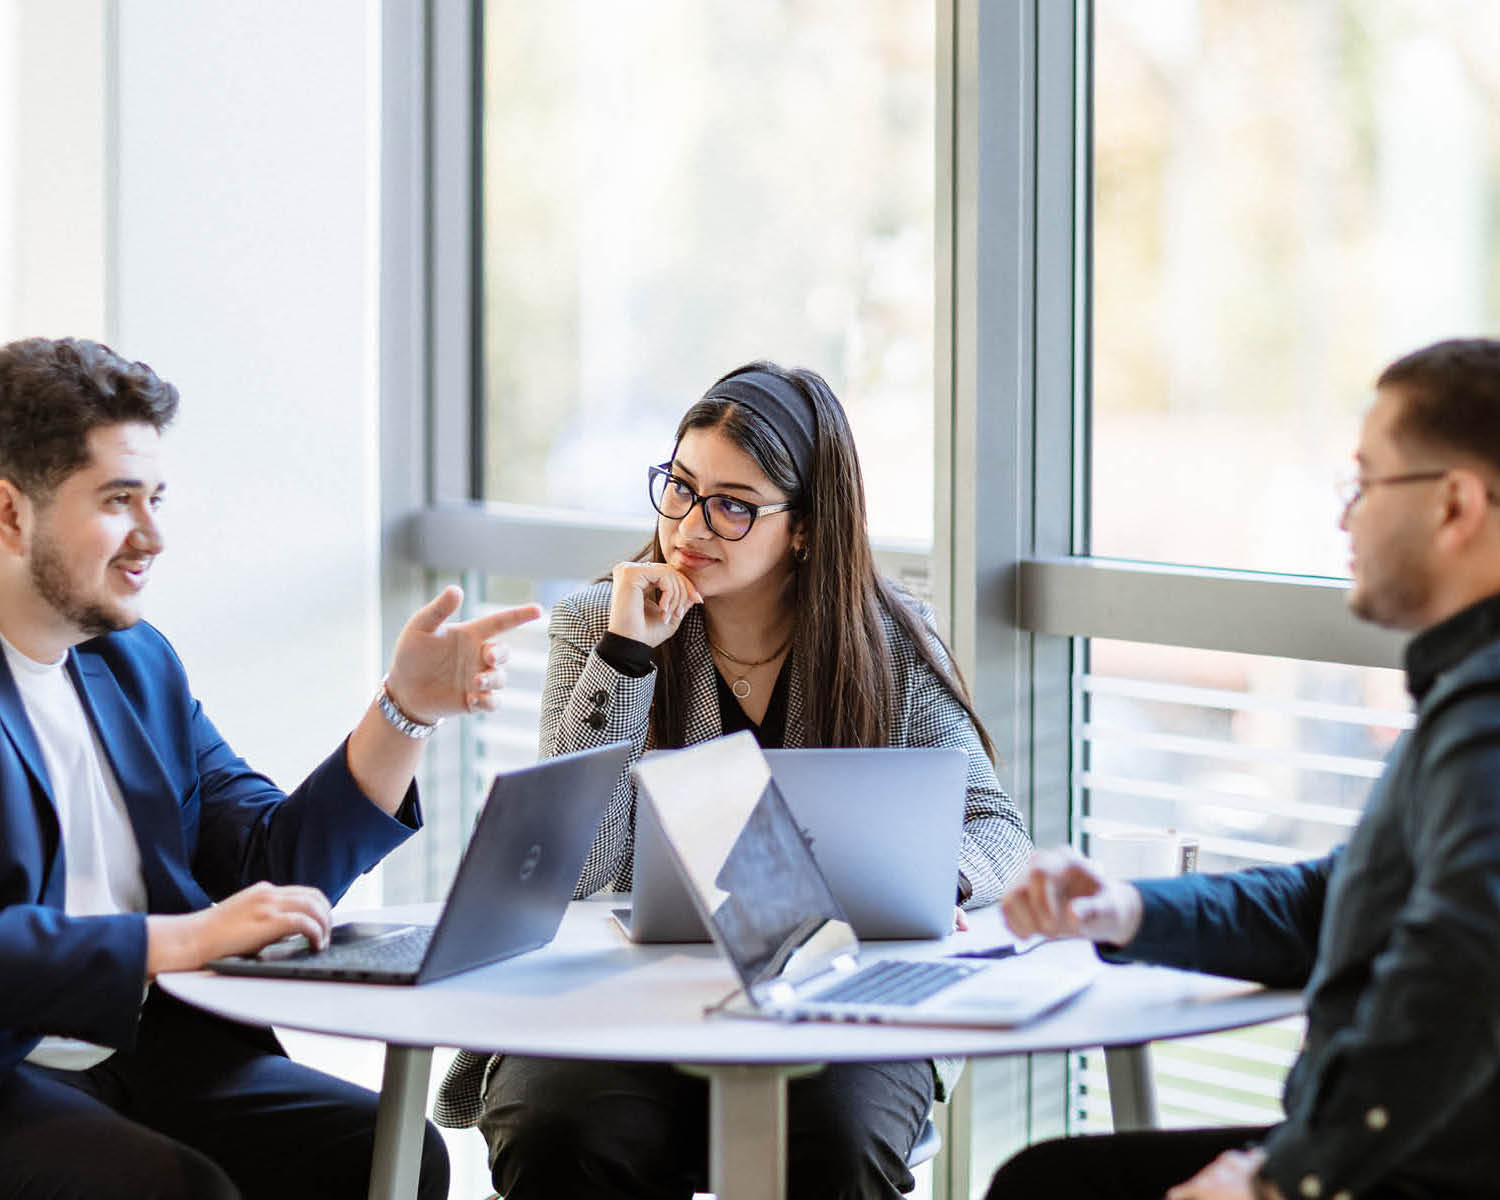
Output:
x,y
49,575
1394,598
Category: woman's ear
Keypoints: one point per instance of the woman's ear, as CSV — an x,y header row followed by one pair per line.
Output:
x,y
799,541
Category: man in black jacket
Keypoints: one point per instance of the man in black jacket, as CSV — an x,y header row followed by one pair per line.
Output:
x,y
1396,935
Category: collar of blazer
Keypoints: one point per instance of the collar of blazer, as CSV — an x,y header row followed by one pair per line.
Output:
x,y
18,728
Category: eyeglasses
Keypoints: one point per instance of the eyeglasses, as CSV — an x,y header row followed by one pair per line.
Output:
x,y
1352,489
725,516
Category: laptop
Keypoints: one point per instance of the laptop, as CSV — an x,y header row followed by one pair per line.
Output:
x,y
513,885
885,826
749,868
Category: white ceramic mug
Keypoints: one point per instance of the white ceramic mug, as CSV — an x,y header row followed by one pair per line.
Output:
x,y
1143,853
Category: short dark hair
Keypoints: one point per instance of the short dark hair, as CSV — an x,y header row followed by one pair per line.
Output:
x,y
53,391
1450,396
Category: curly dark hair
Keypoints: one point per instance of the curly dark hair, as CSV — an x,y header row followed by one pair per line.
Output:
x,y
53,391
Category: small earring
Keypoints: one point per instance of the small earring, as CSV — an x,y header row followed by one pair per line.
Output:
x,y
800,554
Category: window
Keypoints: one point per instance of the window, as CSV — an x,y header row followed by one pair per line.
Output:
x,y
1287,195
1284,197
676,187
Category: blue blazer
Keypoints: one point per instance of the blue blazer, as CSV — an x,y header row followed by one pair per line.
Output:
x,y
206,823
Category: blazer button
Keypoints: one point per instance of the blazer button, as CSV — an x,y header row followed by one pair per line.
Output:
x,y
1311,1187
596,720
1377,1118
600,698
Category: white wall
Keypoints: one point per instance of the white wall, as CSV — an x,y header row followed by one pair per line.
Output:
x,y
245,273
53,164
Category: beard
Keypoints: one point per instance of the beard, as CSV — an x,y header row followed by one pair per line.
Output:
x,y
49,574
1393,590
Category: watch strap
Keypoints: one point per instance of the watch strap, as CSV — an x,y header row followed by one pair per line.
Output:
x,y
404,725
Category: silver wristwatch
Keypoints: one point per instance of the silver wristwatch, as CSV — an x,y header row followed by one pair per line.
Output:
x,y
398,719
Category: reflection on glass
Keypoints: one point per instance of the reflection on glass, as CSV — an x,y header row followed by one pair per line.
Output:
x,y
675,187
1287,195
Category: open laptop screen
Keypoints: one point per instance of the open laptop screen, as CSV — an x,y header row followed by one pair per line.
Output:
x,y
748,864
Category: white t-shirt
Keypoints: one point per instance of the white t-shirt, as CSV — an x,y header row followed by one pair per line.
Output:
x,y
100,851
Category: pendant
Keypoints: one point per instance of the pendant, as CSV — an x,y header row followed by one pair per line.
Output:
x,y
741,688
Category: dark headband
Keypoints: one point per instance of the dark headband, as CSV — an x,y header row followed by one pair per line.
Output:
x,y
783,406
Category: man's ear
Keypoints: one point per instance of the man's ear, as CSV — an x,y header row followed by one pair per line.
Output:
x,y
16,514
1466,502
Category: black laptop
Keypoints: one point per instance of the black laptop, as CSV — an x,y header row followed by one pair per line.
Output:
x,y
512,887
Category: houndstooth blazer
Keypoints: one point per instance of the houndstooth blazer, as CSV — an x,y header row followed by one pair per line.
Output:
x,y
586,703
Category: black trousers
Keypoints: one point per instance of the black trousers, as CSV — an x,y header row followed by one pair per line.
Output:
x,y
639,1131
1132,1166
200,1109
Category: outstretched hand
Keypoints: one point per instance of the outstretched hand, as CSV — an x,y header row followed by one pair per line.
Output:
x,y
1064,895
439,669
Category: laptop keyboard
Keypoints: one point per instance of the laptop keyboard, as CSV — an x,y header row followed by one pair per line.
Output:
x,y
891,981
402,951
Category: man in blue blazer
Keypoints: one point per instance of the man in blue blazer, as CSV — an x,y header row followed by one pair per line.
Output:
x,y
1395,937
134,841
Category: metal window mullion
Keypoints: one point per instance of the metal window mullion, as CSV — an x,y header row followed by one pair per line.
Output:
x,y
453,249
1008,493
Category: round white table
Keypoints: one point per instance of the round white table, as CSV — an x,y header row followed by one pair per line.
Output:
x,y
593,994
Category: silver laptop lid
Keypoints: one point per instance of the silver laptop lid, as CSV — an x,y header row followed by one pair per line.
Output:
x,y
746,863
885,826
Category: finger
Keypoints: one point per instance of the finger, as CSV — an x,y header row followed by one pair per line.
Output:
x,y
1094,918
431,615
1081,879
310,901
303,923
1017,913
1049,899
959,920
489,681
495,654
642,576
482,702
1025,905
501,622
682,599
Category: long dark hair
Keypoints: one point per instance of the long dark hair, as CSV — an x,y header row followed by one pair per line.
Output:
x,y
840,639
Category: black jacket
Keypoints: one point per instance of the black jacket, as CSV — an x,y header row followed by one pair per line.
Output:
x,y
1396,938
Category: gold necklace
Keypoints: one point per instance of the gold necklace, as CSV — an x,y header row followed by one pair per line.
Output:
x,y
741,686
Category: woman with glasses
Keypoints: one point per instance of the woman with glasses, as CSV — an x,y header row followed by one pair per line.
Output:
x,y
756,606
